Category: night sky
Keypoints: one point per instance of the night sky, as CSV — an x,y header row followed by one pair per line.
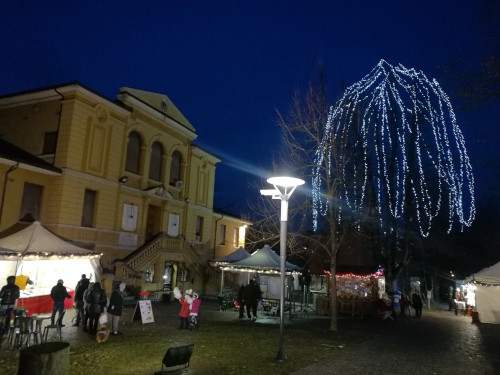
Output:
x,y
229,65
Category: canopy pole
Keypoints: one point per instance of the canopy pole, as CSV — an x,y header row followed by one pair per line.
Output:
x,y
222,282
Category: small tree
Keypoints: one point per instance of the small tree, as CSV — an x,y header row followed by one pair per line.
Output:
x,y
303,133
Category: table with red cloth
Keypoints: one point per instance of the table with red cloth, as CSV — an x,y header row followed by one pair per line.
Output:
x,y
43,304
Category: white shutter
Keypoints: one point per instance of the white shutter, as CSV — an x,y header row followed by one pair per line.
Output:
x,y
129,218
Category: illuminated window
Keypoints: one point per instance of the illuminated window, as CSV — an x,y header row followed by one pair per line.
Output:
x,y
133,161
88,208
236,237
150,274
155,164
31,202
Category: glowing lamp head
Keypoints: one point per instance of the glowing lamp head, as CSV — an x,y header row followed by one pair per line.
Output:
x,y
285,181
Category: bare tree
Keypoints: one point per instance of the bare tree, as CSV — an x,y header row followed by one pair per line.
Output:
x,y
303,133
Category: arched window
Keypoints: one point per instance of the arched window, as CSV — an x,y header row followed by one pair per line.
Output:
x,y
175,168
133,162
155,164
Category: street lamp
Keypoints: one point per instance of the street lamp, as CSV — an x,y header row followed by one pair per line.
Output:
x,y
283,189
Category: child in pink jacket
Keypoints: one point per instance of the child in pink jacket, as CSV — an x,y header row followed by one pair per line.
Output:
x,y
193,314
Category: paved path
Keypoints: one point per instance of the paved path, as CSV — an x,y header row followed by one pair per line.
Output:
x,y
438,343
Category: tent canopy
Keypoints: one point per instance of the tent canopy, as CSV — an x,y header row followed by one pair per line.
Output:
x,y
36,240
237,255
264,259
38,253
488,275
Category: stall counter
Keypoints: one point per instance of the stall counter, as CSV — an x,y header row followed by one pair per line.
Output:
x,y
43,303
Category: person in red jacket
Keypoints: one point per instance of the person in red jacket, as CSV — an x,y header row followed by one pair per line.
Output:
x,y
184,312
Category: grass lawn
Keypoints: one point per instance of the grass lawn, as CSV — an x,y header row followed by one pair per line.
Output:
x,y
220,348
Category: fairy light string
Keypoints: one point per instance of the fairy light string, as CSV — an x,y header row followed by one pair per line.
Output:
x,y
401,137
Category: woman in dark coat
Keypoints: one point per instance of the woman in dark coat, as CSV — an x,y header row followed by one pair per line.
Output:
x,y
97,302
115,307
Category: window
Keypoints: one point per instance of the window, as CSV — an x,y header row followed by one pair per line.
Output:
x,y
49,143
175,168
199,228
236,233
222,234
173,225
31,202
88,208
133,161
150,274
155,164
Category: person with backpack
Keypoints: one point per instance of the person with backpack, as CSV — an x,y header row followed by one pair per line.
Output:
x,y
8,296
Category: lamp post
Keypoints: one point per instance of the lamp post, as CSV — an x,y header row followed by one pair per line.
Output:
x,y
283,189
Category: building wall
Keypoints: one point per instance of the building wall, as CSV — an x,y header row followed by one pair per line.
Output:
x,y
91,150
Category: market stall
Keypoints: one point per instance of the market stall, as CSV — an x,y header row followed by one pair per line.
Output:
x,y
482,292
265,263
38,258
355,292
235,256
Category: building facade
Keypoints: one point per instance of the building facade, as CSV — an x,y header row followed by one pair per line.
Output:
x,y
122,176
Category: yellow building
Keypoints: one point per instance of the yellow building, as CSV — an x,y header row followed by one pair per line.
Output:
x,y
121,175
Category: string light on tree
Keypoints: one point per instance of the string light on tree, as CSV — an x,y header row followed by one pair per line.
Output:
x,y
406,153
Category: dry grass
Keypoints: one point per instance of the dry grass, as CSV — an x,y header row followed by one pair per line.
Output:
x,y
220,348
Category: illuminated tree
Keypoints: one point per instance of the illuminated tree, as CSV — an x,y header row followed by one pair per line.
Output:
x,y
407,162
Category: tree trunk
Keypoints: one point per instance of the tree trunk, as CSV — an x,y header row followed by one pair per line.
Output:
x,y
333,293
51,358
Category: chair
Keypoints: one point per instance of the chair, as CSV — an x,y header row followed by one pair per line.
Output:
x,y
15,325
58,326
176,358
21,331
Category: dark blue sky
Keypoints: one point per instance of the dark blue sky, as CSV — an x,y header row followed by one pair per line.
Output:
x,y
229,65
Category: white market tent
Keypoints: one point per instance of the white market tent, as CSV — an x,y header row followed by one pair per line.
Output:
x,y
42,256
264,261
487,293
237,255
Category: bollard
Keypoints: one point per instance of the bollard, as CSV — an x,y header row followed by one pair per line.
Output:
x,y
51,358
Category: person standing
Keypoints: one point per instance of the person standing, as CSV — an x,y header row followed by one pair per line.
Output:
x,y
241,300
115,307
252,296
8,296
184,311
86,307
81,287
58,295
194,307
416,302
97,302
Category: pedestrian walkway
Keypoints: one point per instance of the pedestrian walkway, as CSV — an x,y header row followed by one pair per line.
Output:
x,y
438,343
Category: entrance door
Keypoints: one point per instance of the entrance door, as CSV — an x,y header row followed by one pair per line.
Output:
x,y
153,224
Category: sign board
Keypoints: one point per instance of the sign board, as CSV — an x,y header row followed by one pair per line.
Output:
x,y
144,312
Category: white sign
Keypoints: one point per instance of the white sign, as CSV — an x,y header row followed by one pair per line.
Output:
x,y
146,311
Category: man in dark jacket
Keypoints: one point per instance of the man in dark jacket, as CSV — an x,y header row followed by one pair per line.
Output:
x,y
81,287
115,307
96,300
252,296
8,296
58,295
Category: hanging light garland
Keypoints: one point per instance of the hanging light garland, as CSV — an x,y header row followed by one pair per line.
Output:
x,y
400,136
